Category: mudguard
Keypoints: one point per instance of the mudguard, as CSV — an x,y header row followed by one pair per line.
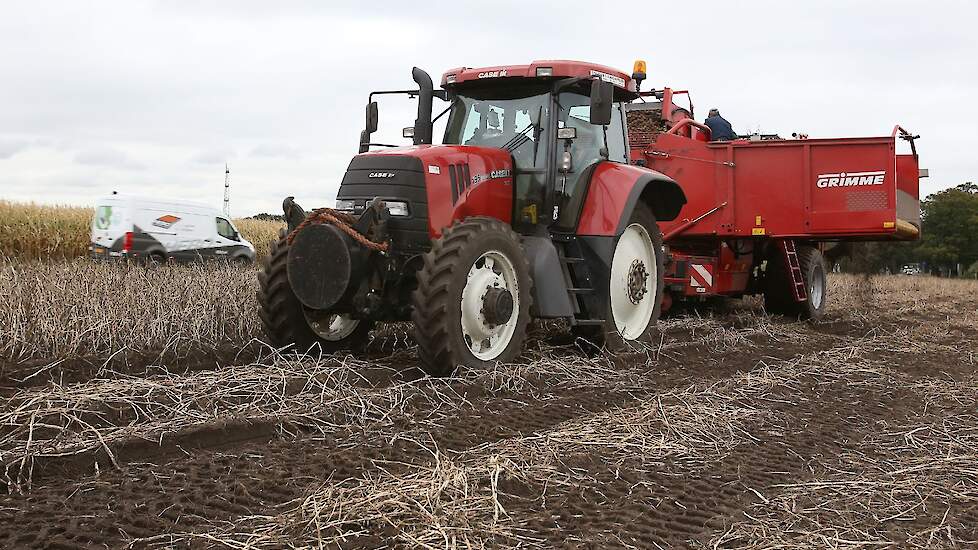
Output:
x,y
614,191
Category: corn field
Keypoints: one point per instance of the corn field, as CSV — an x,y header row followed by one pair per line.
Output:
x,y
41,232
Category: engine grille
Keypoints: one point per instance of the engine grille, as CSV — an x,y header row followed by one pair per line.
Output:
x,y
391,177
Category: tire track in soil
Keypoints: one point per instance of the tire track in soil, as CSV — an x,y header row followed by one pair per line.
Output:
x,y
672,507
249,477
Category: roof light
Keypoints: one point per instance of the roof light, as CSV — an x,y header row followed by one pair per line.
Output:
x,y
545,71
638,70
450,79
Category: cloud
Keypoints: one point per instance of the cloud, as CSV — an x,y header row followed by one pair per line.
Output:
x,y
10,147
212,156
274,151
108,157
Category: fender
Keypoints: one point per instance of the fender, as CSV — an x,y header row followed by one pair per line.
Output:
x,y
614,191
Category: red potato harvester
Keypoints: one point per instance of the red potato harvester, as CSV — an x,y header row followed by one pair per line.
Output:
x,y
561,190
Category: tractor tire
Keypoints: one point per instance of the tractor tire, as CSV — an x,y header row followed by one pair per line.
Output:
x,y
629,324
779,297
472,303
288,323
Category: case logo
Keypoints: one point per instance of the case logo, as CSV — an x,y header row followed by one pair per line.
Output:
x,y
380,175
493,74
850,179
165,222
495,174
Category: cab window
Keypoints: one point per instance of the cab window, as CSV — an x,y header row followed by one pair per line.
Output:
x,y
226,230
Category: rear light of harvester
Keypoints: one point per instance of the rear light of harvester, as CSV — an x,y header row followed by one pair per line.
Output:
x,y
545,71
127,242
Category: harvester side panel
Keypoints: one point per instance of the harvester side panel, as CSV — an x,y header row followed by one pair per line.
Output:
x,y
822,189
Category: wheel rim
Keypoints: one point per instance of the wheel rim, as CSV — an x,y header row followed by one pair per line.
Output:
x,y
330,326
816,287
634,275
491,270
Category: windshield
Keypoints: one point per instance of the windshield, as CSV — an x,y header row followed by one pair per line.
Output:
x,y
516,120
495,122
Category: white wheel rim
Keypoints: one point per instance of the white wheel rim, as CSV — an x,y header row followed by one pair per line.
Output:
x,y
816,288
634,248
331,327
491,270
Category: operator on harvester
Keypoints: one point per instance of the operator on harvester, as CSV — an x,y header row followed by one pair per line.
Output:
x,y
720,129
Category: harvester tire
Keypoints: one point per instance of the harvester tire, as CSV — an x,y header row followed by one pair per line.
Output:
x,y
607,336
284,318
778,295
472,303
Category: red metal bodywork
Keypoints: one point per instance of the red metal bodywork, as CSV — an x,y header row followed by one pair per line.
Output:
x,y
481,194
607,197
776,188
741,192
559,69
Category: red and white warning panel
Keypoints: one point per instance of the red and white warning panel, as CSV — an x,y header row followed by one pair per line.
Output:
x,y
701,277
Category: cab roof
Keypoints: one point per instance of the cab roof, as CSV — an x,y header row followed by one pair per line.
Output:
x,y
538,69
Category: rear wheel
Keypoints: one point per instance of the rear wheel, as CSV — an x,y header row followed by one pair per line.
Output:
x,y
287,322
635,286
778,294
472,304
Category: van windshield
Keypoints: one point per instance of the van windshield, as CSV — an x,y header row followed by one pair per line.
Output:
x,y
226,230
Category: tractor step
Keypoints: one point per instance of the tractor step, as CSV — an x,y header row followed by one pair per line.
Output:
x,y
588,322
573,260
580,290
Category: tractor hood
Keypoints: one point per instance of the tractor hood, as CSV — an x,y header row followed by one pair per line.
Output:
x,y
442,183
436,159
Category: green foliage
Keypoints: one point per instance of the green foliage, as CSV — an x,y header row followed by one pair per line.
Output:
x,y
950,232
949,237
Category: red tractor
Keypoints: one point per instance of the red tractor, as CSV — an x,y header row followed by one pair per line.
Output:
x,y
549,197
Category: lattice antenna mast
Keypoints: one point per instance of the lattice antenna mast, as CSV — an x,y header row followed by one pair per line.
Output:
x,y
227,191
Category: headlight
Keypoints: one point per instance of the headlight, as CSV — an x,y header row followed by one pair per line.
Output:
x,y
344,204
397,208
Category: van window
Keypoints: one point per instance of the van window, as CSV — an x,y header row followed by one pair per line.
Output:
x,y
103,217
226,230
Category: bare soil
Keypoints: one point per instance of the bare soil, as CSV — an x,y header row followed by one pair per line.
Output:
x,y
731,430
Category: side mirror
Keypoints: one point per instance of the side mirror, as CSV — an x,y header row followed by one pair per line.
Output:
x,y
566,163
567,132
408,132
371,117
364,140
602,95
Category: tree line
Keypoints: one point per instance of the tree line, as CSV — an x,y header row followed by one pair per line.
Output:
x,y
948,245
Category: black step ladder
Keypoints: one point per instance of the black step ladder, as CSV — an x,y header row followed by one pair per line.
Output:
x,y
794,270
577,277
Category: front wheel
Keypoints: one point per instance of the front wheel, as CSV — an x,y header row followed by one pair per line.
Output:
x,y
472,304
635,286
287,322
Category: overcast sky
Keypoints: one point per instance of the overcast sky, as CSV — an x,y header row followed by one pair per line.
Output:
x,y
154,97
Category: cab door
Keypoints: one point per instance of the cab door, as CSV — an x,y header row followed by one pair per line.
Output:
x,y
570,188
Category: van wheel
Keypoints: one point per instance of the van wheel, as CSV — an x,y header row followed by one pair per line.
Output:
x,y
287,322
155,259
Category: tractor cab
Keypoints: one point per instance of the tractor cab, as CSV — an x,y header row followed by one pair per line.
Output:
x,y
555,121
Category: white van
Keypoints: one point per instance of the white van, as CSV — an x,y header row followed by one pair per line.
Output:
x,y
158,230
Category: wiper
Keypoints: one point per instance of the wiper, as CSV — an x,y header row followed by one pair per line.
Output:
x,y
519,139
